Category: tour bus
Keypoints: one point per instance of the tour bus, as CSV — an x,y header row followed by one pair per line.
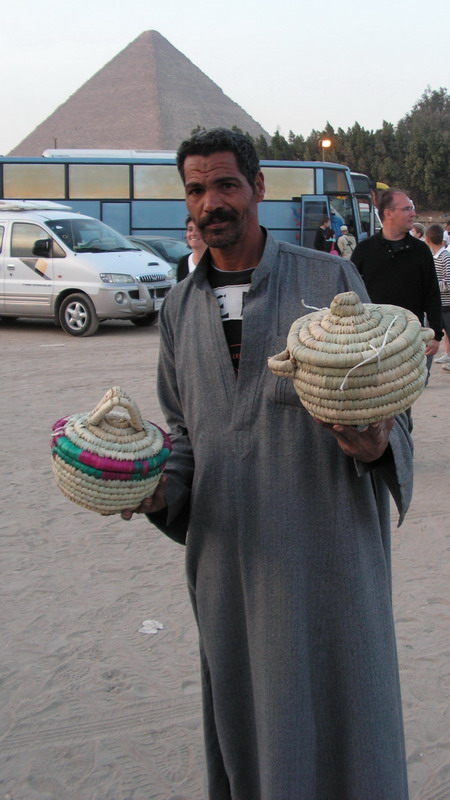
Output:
x,y
140,192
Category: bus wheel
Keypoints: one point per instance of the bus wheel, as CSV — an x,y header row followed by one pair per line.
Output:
x,y
77,315
144,322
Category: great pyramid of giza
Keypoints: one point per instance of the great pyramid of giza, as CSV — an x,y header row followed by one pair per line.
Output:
x,y
148,97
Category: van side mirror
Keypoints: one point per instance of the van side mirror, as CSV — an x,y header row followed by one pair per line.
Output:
x,y
42,247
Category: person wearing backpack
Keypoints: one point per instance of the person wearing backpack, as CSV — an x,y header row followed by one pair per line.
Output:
x,y
346,243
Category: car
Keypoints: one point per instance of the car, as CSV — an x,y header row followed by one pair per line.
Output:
x,y
166,247
58,264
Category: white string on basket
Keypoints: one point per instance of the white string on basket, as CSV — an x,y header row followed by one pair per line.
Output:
x,y
314,308
377,353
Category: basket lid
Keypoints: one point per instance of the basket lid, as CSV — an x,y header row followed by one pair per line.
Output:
x,y
112,436
355,362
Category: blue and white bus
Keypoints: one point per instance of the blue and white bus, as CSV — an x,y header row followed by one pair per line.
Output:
x,y
139,192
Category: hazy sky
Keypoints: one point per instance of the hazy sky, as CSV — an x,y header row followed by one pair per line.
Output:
x,y
291,64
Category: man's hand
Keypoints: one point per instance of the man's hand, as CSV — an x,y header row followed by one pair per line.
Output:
x,y
150,504
366,445
432,348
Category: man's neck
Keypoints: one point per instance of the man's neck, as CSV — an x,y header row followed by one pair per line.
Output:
x,y
392,234
240,256
435,247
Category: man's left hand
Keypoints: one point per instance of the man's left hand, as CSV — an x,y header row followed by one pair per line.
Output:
x,y
365,445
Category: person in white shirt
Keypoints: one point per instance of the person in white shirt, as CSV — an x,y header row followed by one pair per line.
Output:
x,y
447,234
194,239
434,237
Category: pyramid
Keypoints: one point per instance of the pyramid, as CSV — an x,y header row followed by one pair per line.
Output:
x,y
148,97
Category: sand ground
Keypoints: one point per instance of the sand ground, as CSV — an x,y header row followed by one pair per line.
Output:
x,y
92,709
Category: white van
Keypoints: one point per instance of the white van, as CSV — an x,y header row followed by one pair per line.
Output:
x,y
57,264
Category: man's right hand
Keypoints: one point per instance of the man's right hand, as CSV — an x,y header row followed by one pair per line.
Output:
x,y
150,504
432,348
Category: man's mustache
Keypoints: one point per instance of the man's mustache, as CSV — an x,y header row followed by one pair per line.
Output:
x,y
216,216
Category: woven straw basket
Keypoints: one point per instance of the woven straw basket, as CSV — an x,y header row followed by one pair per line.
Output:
x,y
108,461
355,363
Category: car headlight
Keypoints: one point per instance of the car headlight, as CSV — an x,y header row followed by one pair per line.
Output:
x,y
116,277
172,274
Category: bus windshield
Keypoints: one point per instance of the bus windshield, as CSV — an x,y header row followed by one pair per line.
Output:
x,y
89,236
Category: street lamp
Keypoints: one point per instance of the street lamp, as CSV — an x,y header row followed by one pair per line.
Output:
x,y
325,144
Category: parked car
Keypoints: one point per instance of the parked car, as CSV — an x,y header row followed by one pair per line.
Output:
x,y
166,247
57,264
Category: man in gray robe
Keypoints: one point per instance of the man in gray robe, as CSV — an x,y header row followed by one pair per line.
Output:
x,y
285,520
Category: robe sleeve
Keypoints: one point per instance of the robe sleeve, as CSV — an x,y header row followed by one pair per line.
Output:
x,y
395,467
173,520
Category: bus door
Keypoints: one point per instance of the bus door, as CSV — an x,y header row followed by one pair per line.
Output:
x,y
366,216
313,209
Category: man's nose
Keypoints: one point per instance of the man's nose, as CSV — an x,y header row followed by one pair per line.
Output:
x,y
211,200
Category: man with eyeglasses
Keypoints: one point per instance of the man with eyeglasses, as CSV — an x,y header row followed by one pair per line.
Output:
x,y
397,268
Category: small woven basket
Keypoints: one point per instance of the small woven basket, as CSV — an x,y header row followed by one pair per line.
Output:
x,y
108,461
355,363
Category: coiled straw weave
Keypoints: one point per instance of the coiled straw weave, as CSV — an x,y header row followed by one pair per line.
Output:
x,y
355,363
108,461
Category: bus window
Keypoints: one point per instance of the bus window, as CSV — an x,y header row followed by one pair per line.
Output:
x,y
361,183
98,181
34,181
341,209
284,183
335,180
377,221
364,214
313,212
157,182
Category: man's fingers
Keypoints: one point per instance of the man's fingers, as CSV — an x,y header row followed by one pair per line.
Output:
x,y
154,503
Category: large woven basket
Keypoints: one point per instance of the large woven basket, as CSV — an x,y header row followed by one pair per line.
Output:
x,y
108,461
355,363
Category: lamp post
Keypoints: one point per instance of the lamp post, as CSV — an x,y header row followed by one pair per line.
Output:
x,y
325,144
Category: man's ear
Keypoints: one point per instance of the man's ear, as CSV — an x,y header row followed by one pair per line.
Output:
x,y
260,188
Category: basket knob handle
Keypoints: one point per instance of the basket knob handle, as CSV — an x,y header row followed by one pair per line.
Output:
x,y
282,364
116,397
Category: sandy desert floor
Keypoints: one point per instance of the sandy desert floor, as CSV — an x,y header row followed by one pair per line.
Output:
x,y
93,709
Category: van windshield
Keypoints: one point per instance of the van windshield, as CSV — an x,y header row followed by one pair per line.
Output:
x,y
89,236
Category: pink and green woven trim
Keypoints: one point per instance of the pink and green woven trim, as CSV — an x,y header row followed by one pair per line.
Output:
x,y
103,466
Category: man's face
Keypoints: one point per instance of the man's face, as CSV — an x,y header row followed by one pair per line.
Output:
x,y
219,198
400,217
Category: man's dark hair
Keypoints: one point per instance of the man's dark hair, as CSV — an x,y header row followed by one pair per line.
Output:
x,y
435,233
324,220
221,140
387,201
